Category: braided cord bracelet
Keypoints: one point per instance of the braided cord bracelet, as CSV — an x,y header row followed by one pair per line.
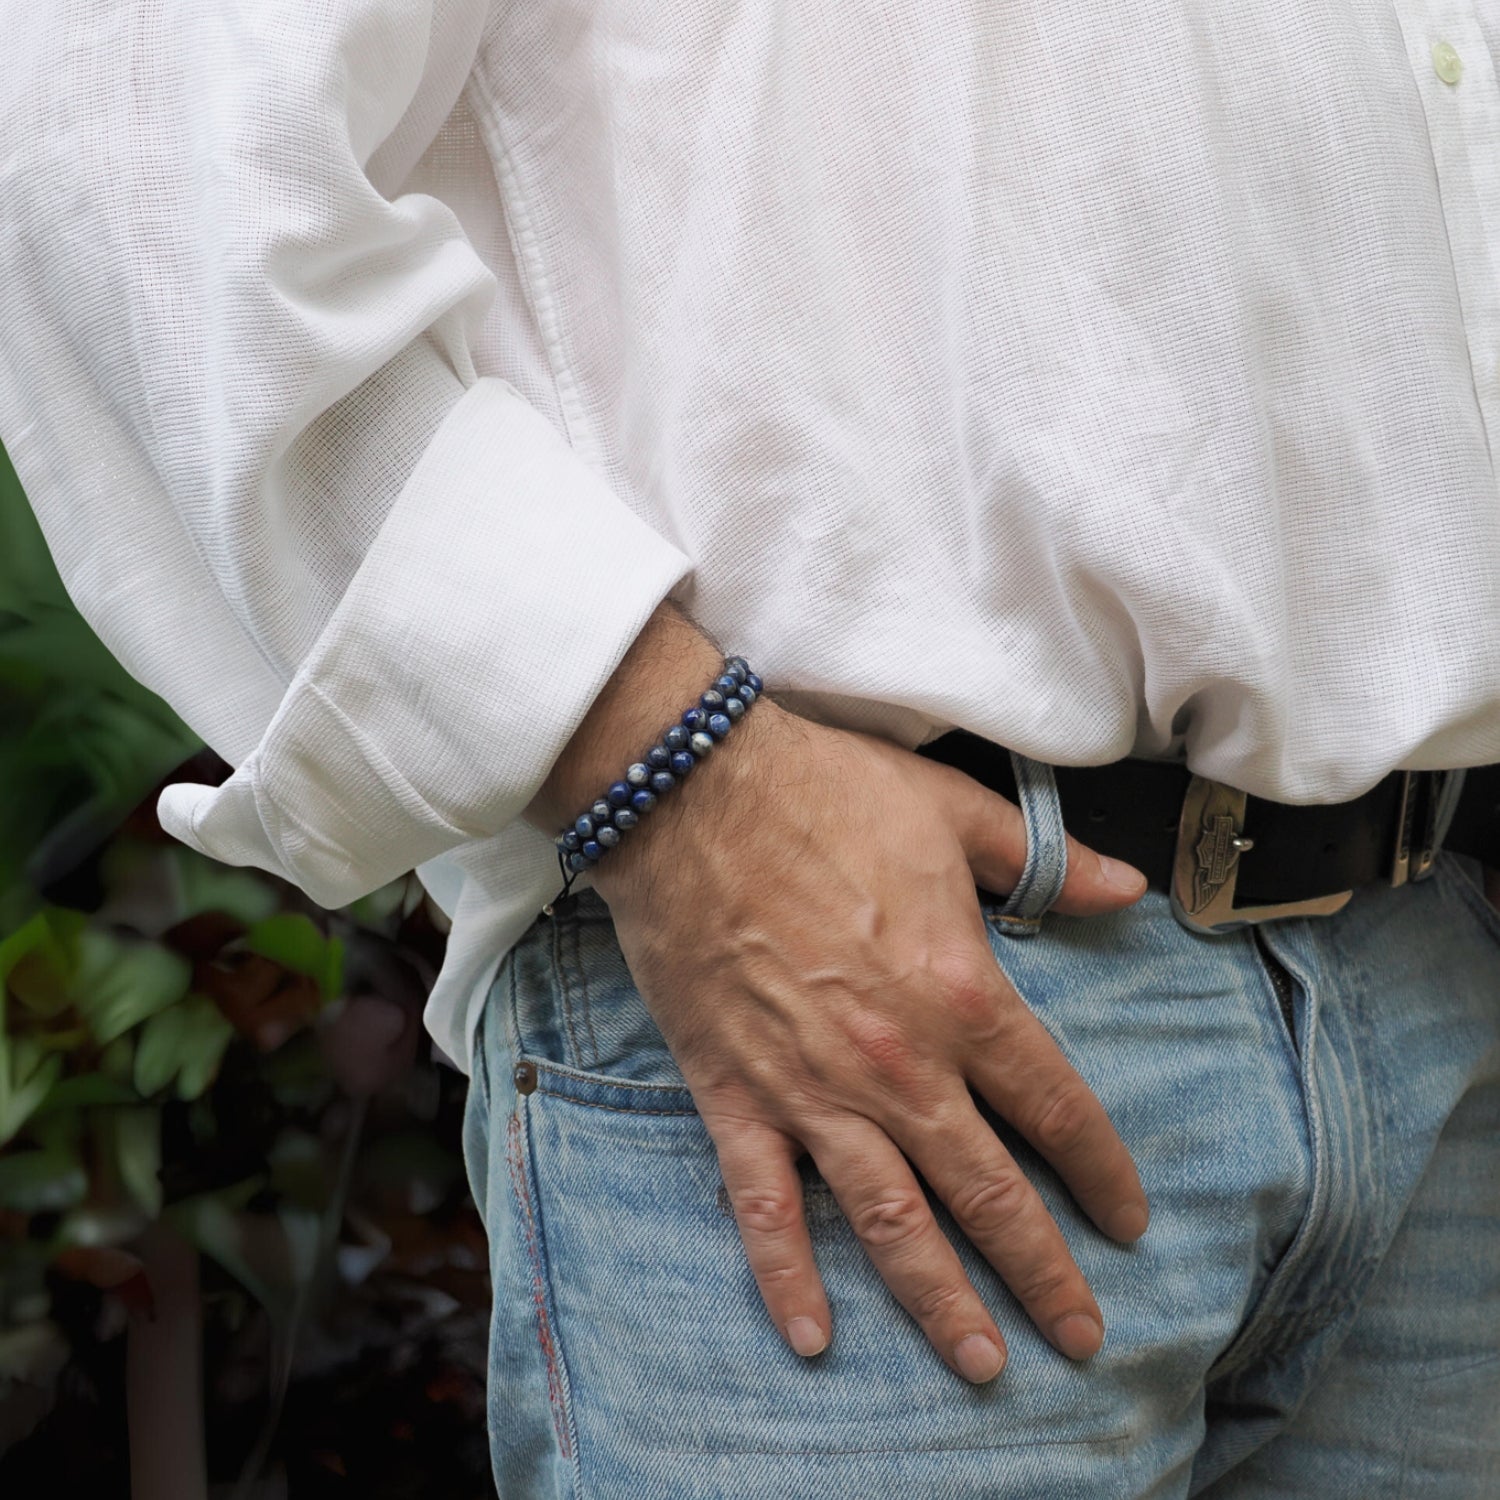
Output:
x,y
601,826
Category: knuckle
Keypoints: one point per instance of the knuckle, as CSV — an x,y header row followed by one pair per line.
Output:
x,y
882,1048
766,1211
891,1222
1047,1283
937,1301
1065,1121
969,998
774,1278
990,1203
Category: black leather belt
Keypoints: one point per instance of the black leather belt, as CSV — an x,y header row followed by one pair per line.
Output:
x,y
1228,858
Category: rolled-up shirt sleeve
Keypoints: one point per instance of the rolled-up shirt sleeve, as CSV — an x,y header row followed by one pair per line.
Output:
x,y
237,382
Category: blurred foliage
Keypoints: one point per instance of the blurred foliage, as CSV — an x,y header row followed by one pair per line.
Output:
x,y
190,1045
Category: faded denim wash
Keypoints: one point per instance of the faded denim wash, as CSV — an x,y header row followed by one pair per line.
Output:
x,y
1315,1310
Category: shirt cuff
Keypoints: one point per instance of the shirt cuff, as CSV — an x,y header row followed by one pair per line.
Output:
x,y
501,592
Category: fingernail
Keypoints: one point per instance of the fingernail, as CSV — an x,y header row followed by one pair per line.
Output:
x,y
806,1337
1120,875
1128,1223
1077,1335
978,1359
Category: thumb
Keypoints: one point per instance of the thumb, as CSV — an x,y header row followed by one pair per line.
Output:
x,y
992,832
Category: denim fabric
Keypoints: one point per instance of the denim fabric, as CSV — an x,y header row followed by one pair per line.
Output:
x,y
1315,1310
1046,866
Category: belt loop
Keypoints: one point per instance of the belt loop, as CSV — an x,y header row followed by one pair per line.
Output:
x,y
1046,865
1442,804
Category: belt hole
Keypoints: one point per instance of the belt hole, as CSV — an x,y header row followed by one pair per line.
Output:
x,y
1097,814
1330,848
1170,826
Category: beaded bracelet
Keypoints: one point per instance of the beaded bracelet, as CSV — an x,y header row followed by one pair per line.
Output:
x,y
665,766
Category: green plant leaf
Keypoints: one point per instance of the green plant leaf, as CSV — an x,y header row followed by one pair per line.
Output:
x,y
118,985
206,885
292,940
36,1182
87,1091
27,1073
183,1043
135,1135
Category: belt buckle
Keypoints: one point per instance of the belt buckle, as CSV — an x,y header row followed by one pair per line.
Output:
x,y
1210,840
1412,857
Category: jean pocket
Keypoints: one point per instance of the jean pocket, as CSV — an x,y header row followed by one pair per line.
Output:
x,y
580,1022
1466,875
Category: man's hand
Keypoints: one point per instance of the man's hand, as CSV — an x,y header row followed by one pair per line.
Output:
x,y
801,921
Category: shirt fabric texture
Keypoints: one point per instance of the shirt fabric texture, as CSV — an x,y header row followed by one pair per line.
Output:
x,y
1109,379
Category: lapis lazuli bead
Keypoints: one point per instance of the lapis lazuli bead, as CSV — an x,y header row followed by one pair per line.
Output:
x,y
658,757
627,817
663,782
726,684
601,812
738,668
712,700
592,848
618,795
639,774
643,801
747,694
579,862
584,827
702,744
695,719
608,837
753,682
735,709
719,725
571,841
676,738
682,762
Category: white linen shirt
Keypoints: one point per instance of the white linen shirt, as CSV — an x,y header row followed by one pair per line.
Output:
x,y
1108,378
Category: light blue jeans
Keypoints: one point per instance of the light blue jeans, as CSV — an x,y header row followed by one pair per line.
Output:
x,y
1315,1310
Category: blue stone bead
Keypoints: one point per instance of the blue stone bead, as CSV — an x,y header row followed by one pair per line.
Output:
x,y
726,684
584,827
643,801
571,841
675,738
719,725
753,682
663,782
639,774
658,757
601,812
608,837
579,862
747,694
735,709
738,668
702,744
618,795
683,762
712,700
627,817
592,849
695,719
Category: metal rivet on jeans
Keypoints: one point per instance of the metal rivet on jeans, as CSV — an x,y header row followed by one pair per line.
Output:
x,y
525,1077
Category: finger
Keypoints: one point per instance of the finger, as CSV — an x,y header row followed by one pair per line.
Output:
x,y
887,1209
765,1189
1005,1219
992,832
1025,1077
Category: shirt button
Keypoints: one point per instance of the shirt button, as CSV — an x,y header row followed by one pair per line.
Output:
x,y
1446,62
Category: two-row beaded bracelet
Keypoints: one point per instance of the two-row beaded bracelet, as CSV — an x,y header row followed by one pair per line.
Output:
x,y
661,770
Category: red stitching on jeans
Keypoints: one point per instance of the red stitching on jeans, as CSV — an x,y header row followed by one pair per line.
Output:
x,y
538,1287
